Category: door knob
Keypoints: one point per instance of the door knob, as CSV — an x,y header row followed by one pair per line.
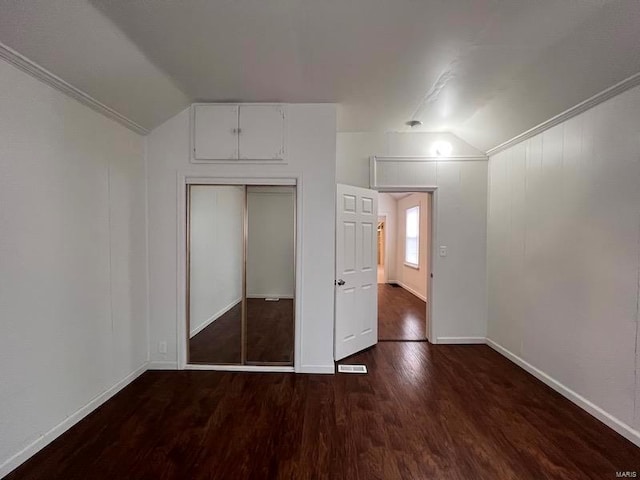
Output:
x,y
340,282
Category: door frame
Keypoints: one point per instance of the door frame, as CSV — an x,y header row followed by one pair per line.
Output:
x,y
386,243
182,335
432,250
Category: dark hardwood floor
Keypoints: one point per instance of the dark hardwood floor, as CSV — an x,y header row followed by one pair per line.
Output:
x,y
269,335
423,412
401,315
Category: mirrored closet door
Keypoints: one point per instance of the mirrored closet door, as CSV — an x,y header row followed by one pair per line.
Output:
x,y
241,274
270,274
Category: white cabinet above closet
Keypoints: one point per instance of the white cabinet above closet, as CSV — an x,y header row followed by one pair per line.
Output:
x,y
227,132
215,132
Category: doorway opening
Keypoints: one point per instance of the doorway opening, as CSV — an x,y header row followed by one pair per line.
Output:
x,y
404,265
381,246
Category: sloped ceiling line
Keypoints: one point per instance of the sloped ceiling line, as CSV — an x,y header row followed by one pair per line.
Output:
x,y
603,96
45,76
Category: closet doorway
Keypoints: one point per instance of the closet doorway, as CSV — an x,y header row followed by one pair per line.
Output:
x,y
241,275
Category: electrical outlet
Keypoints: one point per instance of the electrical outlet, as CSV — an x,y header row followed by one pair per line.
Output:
x,y
443,251
162,347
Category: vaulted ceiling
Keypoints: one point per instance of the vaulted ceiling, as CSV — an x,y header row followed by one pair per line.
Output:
x,y
485,70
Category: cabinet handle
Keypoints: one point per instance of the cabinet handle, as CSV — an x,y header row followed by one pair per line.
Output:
x,y
239,131
235,130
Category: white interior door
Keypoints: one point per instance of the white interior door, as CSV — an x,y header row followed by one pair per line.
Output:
x,y
356,316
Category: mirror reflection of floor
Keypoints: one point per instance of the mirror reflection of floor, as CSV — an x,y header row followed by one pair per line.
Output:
x,y
269,335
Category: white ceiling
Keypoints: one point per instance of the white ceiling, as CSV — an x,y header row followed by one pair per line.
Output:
x,y
483,69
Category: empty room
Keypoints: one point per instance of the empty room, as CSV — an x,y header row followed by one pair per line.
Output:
x,y
303,239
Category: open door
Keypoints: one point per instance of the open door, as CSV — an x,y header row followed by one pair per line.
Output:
x,y
356,288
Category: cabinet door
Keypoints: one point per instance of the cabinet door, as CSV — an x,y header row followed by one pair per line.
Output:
x,y
215,132
261,132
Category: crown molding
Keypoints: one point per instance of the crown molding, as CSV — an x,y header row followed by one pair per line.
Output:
x,y
598,98
45,76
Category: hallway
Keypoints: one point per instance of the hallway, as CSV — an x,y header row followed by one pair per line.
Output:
x,y
401,315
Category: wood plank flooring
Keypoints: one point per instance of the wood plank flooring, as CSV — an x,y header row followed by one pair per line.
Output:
x,y
423,412
270,330
401,315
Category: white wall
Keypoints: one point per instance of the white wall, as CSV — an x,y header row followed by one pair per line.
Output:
x,y
271,242
72,262
311,154
564,249
217,223
459,291
412,279
388,207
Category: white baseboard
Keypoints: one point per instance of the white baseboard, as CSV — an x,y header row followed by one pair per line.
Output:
x,y
162,365
213,318
48,437
270,295
322,369
412,291
241,368
460,340
619,426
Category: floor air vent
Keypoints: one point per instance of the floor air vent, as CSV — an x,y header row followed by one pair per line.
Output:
x,y
352,369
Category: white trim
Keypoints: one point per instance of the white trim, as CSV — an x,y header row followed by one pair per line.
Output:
x,y
411,290
319,369
200,179
405,188
45,76
240,368
427,158
460,340
213,318
49,436
598,98
162,365
270,295
299,265
622,428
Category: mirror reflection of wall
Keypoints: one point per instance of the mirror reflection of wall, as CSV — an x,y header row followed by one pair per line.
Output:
x,y
241,274
216,273
270,274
